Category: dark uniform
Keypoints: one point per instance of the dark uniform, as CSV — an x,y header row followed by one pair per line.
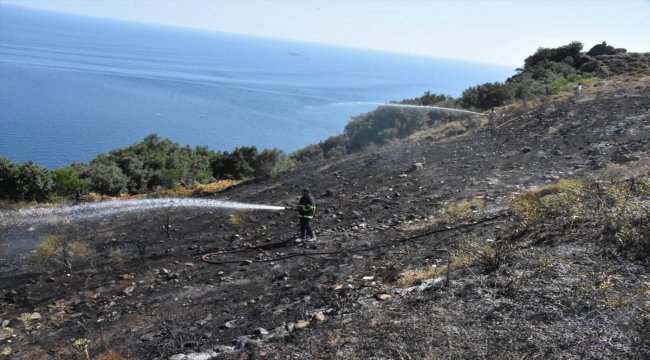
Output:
x,y
306,209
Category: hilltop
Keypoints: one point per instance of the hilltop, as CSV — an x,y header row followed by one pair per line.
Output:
x,y
525,237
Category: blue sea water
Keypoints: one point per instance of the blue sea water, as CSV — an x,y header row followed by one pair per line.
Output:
x,y
72,87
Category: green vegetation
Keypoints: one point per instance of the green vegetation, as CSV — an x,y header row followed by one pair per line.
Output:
x,y
150,165
154,163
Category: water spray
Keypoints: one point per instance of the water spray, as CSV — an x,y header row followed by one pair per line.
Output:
x,y
108,208
411,106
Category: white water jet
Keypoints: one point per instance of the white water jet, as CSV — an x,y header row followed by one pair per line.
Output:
x,y
47,214
407,106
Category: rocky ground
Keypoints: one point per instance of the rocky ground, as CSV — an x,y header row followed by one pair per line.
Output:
x,y
552,290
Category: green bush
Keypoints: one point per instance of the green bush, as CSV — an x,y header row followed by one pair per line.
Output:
x,y
156,162
569,54
26,181
68,183
428,99
486,96
106,178
603,49
384,124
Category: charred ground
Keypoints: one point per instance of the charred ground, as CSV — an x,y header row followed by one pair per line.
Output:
x,y
550,288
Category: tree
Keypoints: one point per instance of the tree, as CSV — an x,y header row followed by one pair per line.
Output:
x,y
106,178
569,53
384,124
67,182
32,182
485,96
8,173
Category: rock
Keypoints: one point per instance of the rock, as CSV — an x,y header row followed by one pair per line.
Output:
x,y
302,324
148,337
229,324
5,334
245,343
320,317
223,349
206,355
35,316
5,323
416,167
129,289
260,331
247,262
290,326
383,297
126,277
526,149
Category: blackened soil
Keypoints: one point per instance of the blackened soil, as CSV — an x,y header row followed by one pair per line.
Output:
x,y
558,292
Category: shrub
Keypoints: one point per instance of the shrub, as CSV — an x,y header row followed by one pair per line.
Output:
x,y
335,146
26,181
270,162
54,249
628,218
561,201
487,254
156,162
67,182
568,83
486,96
308,153
8,172
569,54
427,99
603,49
382,125
106,178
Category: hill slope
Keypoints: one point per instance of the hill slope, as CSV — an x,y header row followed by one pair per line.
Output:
x,y
556,287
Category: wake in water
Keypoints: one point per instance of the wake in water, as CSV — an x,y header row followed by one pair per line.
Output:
x,y
407,106
109,208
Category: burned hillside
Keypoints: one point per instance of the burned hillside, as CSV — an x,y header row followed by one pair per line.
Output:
x,y
525,237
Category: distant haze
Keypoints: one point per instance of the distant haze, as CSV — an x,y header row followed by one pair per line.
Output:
x,y
489,31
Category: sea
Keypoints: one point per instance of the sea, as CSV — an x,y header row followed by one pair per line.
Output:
x,y
73,87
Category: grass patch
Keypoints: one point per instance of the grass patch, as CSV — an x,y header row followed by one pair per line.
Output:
x,y
196,190
563,200
55,250
412,277
459,210
569,83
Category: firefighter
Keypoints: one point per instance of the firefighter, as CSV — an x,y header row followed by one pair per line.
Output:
x,y
306,209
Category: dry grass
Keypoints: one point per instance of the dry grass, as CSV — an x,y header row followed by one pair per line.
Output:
x,y
112,355
196,190
459,210
412,277
561,200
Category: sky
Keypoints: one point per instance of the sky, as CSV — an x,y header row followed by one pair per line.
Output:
x,y
489,31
